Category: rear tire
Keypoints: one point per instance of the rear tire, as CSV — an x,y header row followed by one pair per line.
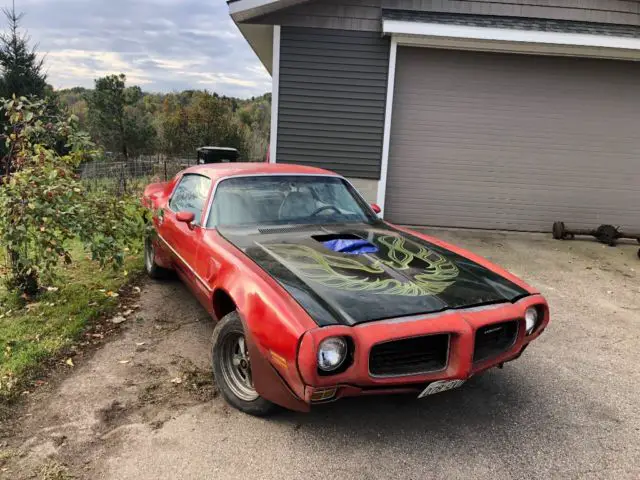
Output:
x,y
232,368
152,268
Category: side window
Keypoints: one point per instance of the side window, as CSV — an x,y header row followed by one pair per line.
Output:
x,y
191,195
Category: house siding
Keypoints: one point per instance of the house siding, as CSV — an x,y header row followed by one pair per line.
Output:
x,y
332,99
365,15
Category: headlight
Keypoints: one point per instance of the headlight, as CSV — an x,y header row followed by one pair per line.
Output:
x,y
332,353
531,319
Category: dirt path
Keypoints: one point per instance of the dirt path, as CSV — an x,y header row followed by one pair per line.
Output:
x,y
153,371
142,407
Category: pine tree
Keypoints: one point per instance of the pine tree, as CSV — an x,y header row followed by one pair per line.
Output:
x,y
21,69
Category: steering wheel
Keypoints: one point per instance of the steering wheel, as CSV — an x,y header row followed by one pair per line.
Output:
x,y
326,207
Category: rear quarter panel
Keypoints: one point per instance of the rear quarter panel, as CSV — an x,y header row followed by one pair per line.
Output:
x,y
155,198
155,194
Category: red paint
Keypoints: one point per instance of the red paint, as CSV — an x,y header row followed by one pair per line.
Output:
x,y
274,322
460,324
185,217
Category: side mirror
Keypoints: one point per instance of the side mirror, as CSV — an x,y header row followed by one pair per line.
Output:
x,y
376,208
185,217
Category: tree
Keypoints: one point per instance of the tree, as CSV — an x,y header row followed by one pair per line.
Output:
x,y
22,70
206,119
117,118
255,115
43,205
75,101
175,127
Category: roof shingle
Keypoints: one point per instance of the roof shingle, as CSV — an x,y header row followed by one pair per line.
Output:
x,y
516,23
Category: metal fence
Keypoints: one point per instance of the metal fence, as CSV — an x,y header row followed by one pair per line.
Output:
x,y
120,177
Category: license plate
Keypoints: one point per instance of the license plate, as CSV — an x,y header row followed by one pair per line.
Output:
x,y
441,386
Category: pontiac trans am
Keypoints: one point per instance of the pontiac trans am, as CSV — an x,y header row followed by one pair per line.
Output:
x,y
316,298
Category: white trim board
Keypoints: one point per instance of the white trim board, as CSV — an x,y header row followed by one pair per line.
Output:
x,y
275,94
459,37
386,143
242,5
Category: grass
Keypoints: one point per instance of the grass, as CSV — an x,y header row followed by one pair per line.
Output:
x,y
33,333
54,471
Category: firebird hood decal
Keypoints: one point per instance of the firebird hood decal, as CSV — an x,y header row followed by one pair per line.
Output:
x,y
407,276
348,272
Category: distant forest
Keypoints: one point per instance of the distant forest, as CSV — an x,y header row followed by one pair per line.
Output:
x,y
127,122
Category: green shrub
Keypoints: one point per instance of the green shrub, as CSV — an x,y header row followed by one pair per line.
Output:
x,y
43,204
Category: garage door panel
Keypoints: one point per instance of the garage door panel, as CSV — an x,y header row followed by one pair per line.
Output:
x,y
529,126
545,174
515,142
469,120
519,142
487,198
478,161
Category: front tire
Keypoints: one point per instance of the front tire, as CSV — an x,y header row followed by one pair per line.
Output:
x,y
232,368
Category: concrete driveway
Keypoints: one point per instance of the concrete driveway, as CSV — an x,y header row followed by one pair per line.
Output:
x,y
569,408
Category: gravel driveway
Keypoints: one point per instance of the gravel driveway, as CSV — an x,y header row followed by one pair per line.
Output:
x,y
142,407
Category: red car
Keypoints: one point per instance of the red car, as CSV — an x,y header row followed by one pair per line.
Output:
x,y
317,298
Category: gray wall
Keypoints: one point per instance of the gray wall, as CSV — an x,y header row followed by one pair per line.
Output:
x,y
366,14
332,99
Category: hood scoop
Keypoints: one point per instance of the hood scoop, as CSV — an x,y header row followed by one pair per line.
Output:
x,y
346,243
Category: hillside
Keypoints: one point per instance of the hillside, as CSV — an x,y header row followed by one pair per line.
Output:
x,y
178,123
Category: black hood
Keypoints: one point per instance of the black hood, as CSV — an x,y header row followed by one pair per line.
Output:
x,y
406,276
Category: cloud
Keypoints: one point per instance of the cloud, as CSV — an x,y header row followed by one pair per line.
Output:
x,y
161,45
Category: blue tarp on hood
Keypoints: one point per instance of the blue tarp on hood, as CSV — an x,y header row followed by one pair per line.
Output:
x,y
351,247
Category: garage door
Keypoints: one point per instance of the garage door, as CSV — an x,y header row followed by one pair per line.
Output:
x,y
513,142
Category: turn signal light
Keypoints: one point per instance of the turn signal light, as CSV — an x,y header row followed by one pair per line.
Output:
x,y
323,394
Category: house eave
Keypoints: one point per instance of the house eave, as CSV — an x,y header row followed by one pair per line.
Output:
x,y
463,37
260,39
258,35
244,10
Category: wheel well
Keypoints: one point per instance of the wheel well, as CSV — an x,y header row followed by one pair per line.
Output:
x,y
223,304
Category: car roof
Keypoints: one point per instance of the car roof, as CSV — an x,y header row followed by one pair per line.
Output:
x,y
219,170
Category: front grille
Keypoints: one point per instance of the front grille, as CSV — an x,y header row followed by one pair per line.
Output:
x,y
410,356
494,339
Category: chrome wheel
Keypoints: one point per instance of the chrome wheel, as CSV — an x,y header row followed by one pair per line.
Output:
x,y
236,367
149,255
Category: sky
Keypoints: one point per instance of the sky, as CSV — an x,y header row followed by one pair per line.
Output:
x,y
161,45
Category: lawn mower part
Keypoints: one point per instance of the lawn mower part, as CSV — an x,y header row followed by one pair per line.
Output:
x,y
607,234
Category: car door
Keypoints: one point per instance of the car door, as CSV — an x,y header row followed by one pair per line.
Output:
x,y
190,195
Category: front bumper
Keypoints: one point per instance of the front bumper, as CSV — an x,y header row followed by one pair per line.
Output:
x,y
461,325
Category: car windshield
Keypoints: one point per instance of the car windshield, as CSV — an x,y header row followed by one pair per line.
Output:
x,y
286,199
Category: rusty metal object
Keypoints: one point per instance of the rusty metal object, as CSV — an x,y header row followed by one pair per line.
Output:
x,y
607,234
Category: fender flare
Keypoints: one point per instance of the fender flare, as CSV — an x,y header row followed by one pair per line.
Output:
x,y
267,381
